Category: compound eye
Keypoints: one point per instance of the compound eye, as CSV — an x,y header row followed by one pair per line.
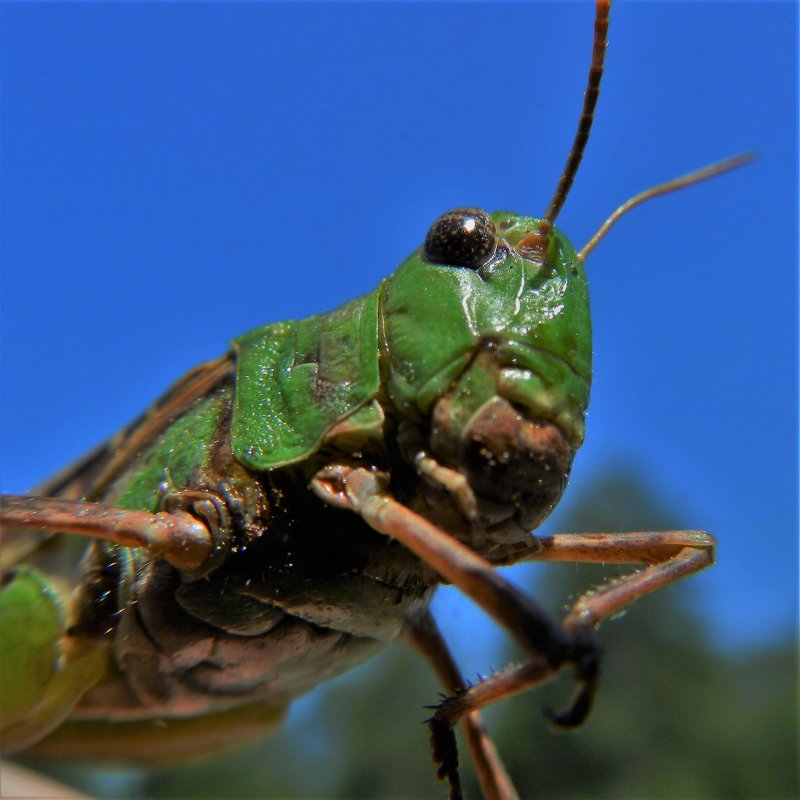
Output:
x,y
464,237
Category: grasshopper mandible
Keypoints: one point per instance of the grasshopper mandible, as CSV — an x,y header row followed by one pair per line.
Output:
x,y
289,508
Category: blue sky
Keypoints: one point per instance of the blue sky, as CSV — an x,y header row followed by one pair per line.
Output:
x,y
175,174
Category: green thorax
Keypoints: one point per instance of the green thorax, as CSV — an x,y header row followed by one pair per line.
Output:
x,y
295,380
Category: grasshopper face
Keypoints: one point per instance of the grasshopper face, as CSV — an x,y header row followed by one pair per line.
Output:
x,y
489,352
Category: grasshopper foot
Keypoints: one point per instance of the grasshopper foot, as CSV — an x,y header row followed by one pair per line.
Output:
x,y
586,662
445,754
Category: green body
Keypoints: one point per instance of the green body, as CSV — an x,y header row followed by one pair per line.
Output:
x,y
422,355
409,340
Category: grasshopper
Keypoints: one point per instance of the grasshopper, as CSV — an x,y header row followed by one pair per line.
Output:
x,y
288,509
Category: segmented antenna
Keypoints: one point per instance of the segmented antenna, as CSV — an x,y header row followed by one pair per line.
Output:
x,y
682,182
538,238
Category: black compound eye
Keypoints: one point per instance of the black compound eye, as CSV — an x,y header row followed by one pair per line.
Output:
x,y
464,237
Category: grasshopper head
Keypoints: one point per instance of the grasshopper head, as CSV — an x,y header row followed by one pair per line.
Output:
x,y
488,353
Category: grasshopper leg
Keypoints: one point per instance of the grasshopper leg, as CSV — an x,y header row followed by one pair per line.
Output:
x,y
424,635
364,491
668,556
180,538
548,644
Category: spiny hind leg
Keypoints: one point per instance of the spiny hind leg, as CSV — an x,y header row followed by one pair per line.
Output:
x,y
424,635
667,555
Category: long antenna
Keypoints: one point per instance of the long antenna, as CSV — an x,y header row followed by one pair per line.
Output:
x,y
711,171
538,238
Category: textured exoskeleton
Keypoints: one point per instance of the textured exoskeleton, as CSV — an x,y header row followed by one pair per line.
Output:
x,y
436,360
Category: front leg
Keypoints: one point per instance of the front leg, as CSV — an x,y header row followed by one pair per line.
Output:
x,y
549,645
668,556
364,491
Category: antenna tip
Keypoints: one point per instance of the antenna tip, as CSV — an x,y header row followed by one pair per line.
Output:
x,y
734,162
